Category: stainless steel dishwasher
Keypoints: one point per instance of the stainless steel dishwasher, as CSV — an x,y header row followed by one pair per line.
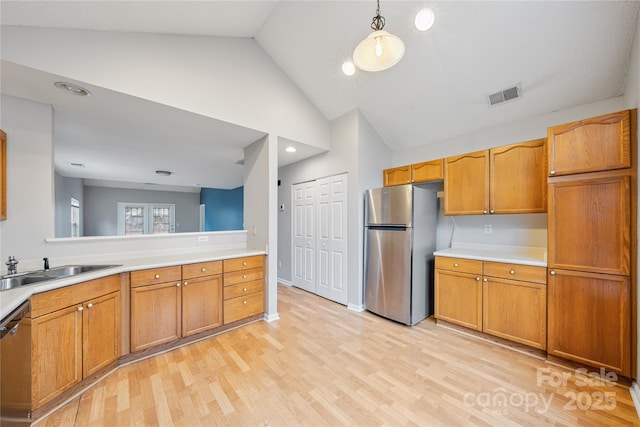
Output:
x,y
15,367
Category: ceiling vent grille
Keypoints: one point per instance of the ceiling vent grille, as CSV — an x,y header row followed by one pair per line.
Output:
x,y
506,95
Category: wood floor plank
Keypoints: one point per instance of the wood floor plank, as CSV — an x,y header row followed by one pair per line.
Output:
x,y
322,364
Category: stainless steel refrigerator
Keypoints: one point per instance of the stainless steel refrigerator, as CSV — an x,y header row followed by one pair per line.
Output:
x,y
400,238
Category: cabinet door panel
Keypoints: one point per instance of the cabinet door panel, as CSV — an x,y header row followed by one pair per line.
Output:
x,y
589,319
590,145
396,176
466,184
56,342
516,311
458,298
101,333
243,307
201,304
155,315
589,223
427,171
518,178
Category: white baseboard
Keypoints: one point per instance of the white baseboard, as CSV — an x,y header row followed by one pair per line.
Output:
x,y
285,282
271,317
353,307
635,396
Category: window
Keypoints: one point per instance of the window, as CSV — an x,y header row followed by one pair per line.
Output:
x,y
145,218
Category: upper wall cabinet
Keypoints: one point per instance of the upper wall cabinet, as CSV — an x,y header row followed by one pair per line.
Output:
x,y
509,179
413,174
3,175
590,145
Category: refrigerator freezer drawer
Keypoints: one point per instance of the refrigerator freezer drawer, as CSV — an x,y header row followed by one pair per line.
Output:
x,y
388,273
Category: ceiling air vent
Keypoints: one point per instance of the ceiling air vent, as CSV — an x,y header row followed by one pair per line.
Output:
x,y
509,94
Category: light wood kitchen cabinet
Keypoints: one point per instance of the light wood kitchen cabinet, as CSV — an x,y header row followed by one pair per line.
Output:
x,y
595,144
589,319
413,174
75,332
201,297
589,222
514,309
173,302
243,288
518,182
458,293
503,180
466,184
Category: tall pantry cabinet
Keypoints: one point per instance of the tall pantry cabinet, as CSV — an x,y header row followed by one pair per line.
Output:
x,y
592,241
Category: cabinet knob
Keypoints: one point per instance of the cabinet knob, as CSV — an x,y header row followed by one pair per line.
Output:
x,y
203,269
178,284
484,212
244,290
486,280
89,305
80,308
245,302
492,211
478,278
553,273
456,265
552,172
186,283
512,272
244,276
157,276
244,263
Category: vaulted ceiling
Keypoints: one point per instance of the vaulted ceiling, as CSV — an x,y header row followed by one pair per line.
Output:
x,y
563,53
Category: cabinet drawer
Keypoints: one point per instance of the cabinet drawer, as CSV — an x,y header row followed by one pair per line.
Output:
x,y
525,273
153,276
244,263
242,307
50,301
201,269
242,289
459,264
243,276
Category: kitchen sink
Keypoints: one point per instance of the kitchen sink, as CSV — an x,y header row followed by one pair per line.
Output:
x,y
22,279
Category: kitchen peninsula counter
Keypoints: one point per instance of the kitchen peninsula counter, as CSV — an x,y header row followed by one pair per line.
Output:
x,y
525,255
12,298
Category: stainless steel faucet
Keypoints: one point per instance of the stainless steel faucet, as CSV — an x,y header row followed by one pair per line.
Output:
x,y
13,265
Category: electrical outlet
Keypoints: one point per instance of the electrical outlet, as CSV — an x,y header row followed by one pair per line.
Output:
x,y
488,229
203,238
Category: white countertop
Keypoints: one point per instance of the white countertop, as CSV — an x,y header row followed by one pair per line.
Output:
x,y
12,298
527,255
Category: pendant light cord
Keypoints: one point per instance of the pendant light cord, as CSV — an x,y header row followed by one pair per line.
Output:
x,y
377,23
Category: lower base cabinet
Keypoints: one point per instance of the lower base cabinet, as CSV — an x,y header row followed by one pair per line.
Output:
x,y
243,288
155,315
75,332
458,298
589,319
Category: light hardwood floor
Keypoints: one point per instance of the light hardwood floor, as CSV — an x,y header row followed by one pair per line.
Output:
x,y
322,364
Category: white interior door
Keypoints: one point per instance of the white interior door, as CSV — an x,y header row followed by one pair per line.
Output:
x,y
332,238
304,236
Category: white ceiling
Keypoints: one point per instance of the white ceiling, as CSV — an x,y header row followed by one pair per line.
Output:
x,y
564,53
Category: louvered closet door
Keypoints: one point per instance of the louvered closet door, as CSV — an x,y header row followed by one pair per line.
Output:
x,y
304,236
332,238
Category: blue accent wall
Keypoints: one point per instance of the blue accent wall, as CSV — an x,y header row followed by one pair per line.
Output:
x,y
224,209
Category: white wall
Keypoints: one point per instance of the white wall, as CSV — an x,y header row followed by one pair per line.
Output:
x,y
260,210
229,79
632,100
65,189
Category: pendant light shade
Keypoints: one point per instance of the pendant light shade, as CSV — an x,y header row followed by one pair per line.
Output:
x,y
380,50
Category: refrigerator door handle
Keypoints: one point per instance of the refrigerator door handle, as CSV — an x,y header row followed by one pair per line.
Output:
x,y
389,227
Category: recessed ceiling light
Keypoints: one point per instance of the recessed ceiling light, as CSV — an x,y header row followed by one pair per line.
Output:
x,y
290,150
164,173
349,68
71,88
425,19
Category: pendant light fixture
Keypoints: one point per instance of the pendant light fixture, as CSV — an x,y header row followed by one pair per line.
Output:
x,y
380,50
